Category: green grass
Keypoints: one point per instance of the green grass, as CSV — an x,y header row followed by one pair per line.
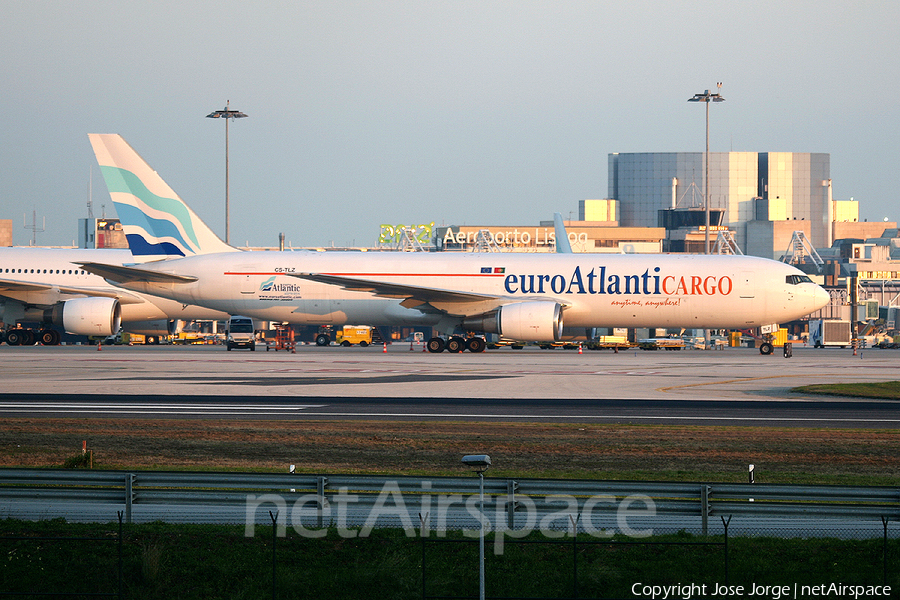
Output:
x,y
560,451
209,561
885,390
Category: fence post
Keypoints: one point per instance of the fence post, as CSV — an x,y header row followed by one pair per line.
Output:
x,y
884,523
119,594
129,496
274,542
511,488
704,508
726,524
573,520
320,503
422,537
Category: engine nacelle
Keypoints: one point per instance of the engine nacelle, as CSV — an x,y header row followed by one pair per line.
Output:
x,y
86,316
524,321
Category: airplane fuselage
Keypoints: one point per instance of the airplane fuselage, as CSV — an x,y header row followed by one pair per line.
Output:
x,y
594,290
34,278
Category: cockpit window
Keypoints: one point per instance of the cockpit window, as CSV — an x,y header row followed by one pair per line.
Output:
x,y
797,279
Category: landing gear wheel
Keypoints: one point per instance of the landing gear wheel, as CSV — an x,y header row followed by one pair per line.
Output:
x,y
456,344
435,345
14,337
49,337
765,348
475,344
322,340
28,337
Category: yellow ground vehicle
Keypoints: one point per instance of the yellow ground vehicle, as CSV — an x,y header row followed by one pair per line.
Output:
x,y
354,334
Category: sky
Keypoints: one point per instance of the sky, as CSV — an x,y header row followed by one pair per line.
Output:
x,y
408,112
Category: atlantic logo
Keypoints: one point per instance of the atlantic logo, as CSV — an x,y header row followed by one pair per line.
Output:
x,y
269,285
596,281
266,286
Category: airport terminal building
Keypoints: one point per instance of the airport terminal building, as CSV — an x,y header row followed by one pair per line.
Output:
x,y
749,192
655,203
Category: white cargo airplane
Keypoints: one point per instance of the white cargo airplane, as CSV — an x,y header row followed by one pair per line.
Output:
x,y
48,286
518,296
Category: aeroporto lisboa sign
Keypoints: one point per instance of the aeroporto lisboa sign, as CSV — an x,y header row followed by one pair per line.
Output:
x,y
393,234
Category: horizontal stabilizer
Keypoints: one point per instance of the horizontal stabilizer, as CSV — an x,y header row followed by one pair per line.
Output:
x,y
123,274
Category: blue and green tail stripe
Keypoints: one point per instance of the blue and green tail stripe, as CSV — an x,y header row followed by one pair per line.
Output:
x,y
156,221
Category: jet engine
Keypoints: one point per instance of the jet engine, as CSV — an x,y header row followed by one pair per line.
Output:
x,y
86,316
535,321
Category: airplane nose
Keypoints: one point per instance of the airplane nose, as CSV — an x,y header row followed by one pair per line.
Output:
x,y
821,298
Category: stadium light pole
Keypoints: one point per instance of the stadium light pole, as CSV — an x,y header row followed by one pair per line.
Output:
x,y
228,114
707,98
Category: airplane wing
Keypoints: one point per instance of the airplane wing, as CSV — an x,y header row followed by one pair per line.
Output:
x,y
414,295
123,274
9,285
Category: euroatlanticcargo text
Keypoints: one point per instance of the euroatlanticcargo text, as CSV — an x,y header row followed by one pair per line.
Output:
x,y
596,281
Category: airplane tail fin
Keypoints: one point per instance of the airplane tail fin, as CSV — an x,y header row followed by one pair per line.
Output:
x,y
157,223
562,237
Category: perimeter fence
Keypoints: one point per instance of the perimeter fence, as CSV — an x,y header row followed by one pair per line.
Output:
x,y
520,518
629,507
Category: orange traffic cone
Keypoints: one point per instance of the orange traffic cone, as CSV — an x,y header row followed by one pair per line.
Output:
x,y
385,347
579,349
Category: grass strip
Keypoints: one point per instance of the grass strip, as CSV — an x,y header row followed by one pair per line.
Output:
x,y
883,390
562,450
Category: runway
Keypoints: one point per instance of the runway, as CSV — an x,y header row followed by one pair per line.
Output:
x,y
736,386
808,413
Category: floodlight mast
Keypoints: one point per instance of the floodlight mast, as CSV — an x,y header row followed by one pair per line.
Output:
x,y
481,463
707,98
228,114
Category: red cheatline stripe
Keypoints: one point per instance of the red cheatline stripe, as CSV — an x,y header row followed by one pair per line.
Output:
x,y
388,274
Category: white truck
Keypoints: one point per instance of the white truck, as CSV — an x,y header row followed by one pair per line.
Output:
x,y
824,333
240,333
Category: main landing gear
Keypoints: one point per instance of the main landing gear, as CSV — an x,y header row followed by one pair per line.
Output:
x,y
456,344
28,337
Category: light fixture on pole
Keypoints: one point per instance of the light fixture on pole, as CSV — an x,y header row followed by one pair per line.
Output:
x,y
481,463
228,115
707,98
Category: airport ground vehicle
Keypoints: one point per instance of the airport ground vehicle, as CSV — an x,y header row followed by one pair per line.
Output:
x,y
240,333
284,339
354,334
829,333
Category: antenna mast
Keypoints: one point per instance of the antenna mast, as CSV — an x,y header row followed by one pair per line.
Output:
x,y
34,229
